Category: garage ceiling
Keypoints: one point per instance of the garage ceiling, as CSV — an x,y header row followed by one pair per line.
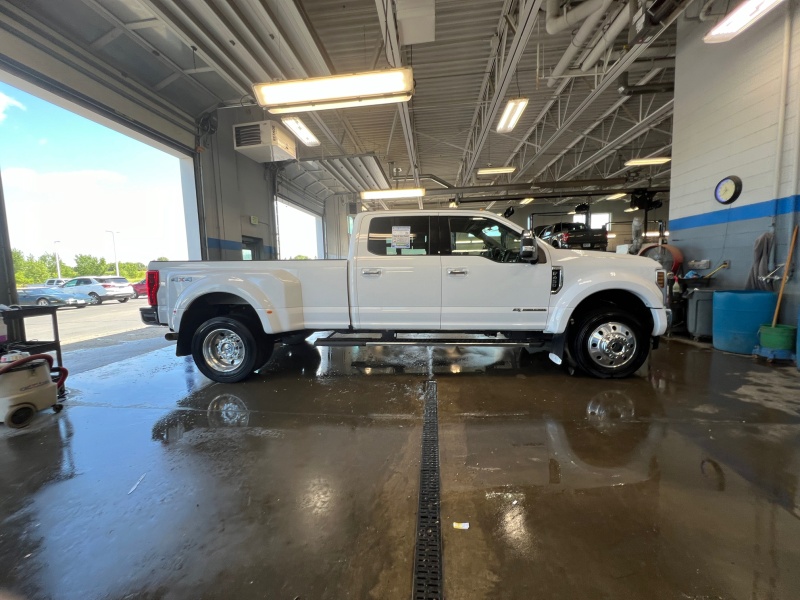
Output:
x,y
182,59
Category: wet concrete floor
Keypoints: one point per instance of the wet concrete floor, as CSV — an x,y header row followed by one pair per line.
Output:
x,y
303,481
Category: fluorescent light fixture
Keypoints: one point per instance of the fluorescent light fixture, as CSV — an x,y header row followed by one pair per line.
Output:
x,y
302,132
655,234
496,170
336,91
611,236
392,194
643,162
572,212
615,196
744,16
526,201
513,111
631,209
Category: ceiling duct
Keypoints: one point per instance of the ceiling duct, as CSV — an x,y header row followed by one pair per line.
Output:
x,y
622,20
556,23
578,42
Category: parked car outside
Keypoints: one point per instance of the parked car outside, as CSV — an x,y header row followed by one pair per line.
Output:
x,y
48,296
119,287
55,282
100,289
139,288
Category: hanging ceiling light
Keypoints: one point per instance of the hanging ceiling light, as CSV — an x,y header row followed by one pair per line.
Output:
x,y
302,132
643,162
740,19
496,170
511,114
336,91
392,194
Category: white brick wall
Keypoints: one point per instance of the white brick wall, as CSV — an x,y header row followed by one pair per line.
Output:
x,y
726,122
726,114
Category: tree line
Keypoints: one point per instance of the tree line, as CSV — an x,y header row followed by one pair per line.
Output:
x,y
29,269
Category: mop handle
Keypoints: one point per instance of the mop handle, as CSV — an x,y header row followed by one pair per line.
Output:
x,y
785,276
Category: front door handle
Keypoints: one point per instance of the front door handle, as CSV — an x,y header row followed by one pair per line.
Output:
x,y
370,272
457,271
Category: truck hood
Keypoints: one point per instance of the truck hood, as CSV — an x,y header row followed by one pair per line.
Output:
x,y
640,265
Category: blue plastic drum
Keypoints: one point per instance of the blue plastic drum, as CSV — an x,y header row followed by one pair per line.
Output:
x,y
737,316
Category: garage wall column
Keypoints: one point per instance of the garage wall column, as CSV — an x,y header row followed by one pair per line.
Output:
x,y
736,113
335,223
238,193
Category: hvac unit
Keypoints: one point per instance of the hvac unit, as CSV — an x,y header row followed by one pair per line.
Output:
x,y
264,141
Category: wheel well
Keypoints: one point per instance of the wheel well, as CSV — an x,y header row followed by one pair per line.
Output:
x,y
218,304
627,301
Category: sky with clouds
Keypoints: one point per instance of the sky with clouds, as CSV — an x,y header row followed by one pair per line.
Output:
x,y
68,179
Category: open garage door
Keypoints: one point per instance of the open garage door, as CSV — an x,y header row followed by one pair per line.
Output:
x,y
300,233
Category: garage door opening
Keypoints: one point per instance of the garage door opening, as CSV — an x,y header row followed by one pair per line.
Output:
x,y
81,196
299,233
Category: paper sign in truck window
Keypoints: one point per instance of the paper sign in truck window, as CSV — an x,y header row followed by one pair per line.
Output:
x,y
401,236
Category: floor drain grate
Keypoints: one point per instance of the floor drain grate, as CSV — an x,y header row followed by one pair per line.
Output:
x,y
428,553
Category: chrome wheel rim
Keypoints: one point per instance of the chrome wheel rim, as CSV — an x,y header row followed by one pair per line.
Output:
x,y
611,345
223,350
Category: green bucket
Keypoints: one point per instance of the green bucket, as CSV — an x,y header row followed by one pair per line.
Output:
x,y
780,337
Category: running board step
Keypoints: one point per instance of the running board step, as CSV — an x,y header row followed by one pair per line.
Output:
x,y
336,340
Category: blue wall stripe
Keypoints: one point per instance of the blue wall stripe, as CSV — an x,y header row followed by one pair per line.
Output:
x,y
218,244
738,213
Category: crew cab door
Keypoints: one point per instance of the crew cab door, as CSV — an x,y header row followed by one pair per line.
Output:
x,y
484,287
396,278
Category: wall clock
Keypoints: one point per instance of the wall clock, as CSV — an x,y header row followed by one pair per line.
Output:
x,y
728,190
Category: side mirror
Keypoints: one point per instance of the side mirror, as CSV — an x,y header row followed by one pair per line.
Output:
x,y
528,249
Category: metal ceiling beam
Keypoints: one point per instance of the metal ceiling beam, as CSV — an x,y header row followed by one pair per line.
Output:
x,y
500,71
620,67
388,22
523,187
612,110
631,134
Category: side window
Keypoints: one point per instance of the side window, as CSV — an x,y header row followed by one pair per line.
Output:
x,y
478,236
399,236
70,283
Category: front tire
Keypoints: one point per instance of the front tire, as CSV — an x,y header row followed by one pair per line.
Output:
x,y
122,300
225,350
608,343
135,295
42,302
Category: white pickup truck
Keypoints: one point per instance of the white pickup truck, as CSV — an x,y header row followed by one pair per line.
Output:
x,y
411,272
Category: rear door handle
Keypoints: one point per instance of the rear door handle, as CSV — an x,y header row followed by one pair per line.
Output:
x,y
457,271
370,272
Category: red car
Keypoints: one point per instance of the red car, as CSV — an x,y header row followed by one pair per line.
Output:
x,y
139,288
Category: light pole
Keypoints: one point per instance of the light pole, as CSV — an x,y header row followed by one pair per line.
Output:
x,y
114,242
58,262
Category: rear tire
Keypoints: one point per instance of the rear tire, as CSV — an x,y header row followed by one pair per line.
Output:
x,y
42,302
122,300
135,295
225,350
96,300
608,343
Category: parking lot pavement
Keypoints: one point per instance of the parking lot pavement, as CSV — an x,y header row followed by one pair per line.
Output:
x,y
86,324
